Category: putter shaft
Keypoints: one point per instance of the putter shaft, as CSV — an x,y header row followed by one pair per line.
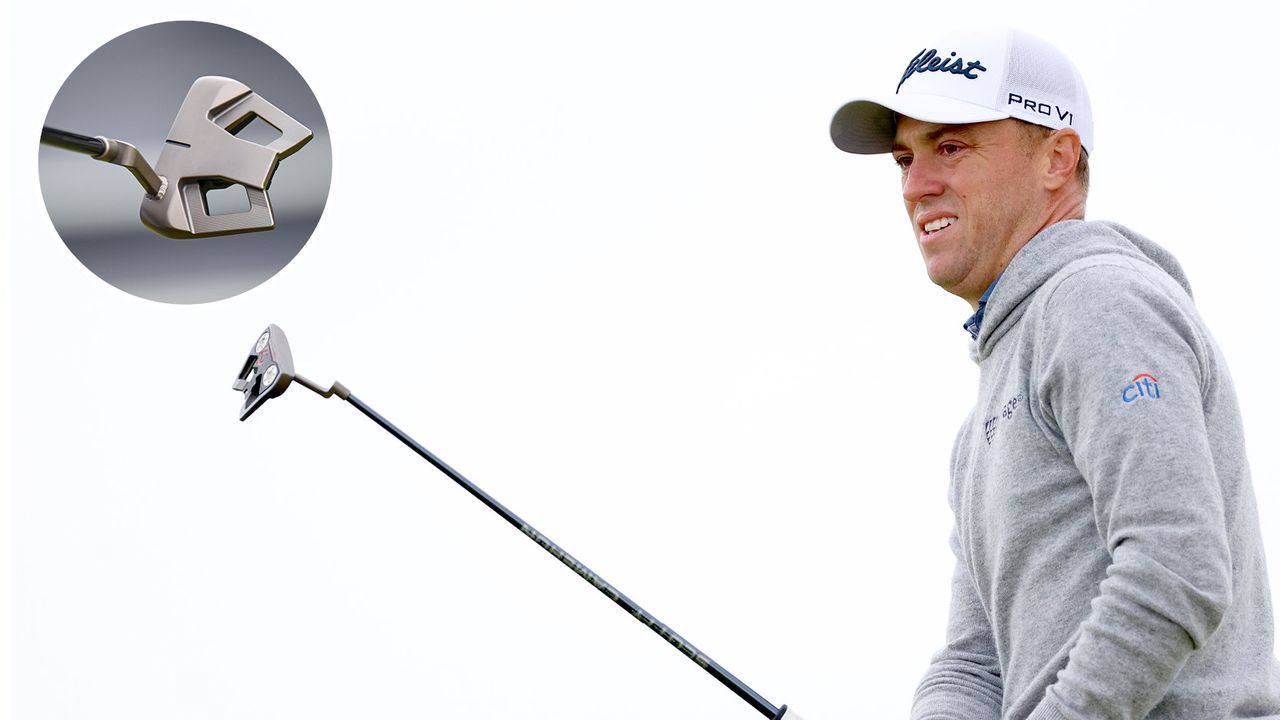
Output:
x,y
685,647
72,141
116,152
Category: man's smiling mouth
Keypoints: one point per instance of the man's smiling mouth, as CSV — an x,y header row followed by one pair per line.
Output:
x,y
934,226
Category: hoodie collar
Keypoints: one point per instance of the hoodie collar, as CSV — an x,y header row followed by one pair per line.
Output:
x,y
1052,249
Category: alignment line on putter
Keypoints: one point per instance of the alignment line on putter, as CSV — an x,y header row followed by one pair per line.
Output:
x,y
269,370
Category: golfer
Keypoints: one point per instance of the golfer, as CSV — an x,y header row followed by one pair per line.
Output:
x,y
1108,556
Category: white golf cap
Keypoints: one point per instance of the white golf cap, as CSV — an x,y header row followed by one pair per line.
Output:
x,y
969,77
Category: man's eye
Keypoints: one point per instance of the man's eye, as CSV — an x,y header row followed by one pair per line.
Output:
x,y
903,161
949,148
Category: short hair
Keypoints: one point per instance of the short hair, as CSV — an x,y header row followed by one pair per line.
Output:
x,y
1039,132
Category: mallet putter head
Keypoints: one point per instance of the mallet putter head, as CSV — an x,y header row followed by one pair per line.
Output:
x,y
266,372
202,153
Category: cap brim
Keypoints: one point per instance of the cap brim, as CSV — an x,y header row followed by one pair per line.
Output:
x,y
867,126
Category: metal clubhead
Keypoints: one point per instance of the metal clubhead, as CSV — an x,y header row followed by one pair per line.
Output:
x,y
267,371
202,153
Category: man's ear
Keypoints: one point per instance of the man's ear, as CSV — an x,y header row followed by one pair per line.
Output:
x,y
1063,149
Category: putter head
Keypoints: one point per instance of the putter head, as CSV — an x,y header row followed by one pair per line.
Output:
x,y
267,371
202,153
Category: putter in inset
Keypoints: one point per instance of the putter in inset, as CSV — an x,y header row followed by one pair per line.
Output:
x,y
202,153
268,371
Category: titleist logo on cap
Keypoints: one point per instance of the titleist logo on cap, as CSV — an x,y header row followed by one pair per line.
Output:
x,y
928,61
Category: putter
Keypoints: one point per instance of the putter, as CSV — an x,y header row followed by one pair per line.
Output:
x,y
268,371
201,154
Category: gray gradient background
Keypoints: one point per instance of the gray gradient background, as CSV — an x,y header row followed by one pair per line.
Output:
x,y
131,89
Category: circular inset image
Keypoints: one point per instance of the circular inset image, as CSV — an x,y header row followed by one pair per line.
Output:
x,y
185,162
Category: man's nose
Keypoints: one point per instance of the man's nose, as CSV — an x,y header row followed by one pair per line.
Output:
x,y
922,180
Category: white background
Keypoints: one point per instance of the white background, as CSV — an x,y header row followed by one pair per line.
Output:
x,y
604,260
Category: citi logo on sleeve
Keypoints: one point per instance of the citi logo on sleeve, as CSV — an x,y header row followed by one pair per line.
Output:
x,y
1143,385
928,61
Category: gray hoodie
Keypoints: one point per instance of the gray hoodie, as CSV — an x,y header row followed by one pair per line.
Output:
x,y
1109,560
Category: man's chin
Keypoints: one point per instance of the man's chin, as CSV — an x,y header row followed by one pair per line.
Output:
x,y
943,276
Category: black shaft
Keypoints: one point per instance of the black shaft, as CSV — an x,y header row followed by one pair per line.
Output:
x,y
72,141
639,613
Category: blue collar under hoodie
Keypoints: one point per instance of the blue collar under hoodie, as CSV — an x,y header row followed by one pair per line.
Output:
x,y
974,323
1109,561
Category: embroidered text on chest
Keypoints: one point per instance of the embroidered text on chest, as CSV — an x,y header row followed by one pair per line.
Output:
x,y
993,423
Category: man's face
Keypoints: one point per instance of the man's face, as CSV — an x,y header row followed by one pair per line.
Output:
x,y
973,196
